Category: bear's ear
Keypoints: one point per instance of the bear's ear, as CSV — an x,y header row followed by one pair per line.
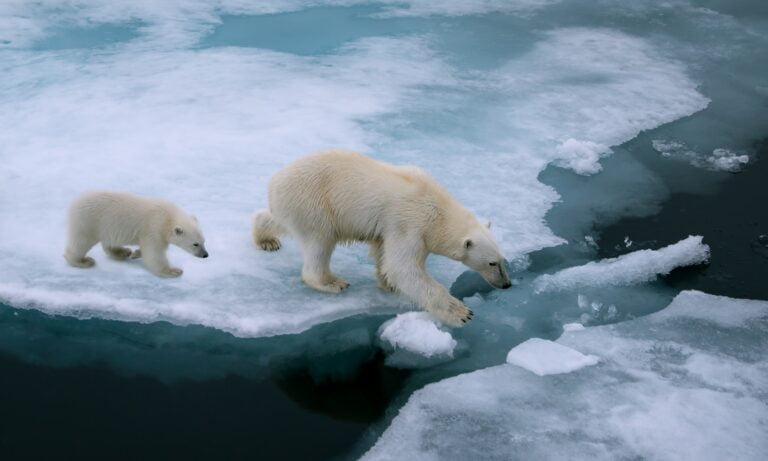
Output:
x,y
468,243
178,230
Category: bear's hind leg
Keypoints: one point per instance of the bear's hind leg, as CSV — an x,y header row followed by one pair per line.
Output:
x,y
317,271
117,253
76,250
266,231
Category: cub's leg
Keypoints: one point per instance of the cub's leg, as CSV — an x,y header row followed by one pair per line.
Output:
x,y
154,258
117,253
317,271
77,247
377,254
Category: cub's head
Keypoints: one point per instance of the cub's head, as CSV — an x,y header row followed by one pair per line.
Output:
x,y
186,235
481,253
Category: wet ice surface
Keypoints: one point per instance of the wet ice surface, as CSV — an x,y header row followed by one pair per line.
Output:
x,y
184,100
685,383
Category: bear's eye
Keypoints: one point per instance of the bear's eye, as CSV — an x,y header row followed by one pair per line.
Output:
x,y
493,264
195,244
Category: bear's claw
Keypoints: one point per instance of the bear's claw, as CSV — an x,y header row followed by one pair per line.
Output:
x,y
269,244
455,313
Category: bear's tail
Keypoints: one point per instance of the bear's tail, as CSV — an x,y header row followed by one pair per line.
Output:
x,y
266,231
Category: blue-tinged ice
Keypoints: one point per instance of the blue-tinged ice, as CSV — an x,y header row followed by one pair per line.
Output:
x,y
687,382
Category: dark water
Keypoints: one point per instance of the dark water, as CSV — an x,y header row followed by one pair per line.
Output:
x,y
95,389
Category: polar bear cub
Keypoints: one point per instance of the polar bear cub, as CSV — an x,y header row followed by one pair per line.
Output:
x,y
116,219
401,212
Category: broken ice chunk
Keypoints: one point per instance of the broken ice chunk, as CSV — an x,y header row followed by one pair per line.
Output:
x,y
544,357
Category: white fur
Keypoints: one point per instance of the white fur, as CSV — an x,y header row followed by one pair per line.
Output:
x,y
340,196
116,219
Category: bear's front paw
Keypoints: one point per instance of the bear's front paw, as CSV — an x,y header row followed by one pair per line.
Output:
x,y
454,312
171,272
272,244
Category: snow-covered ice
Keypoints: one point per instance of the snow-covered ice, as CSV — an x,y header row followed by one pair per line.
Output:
x,y
416,333
636,267
678,384
544,357
159,113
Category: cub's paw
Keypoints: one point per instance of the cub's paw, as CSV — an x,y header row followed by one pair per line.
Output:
x,y
269,244
171,272
119,253
454,312
333,285
84,262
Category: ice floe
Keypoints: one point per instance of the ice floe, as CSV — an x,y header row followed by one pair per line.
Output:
x,y
678,384
636,267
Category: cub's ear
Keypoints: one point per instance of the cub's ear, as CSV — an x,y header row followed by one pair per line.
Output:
x,y
178,230
468,243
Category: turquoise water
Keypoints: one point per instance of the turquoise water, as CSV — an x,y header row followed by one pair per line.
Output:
x,y
202,104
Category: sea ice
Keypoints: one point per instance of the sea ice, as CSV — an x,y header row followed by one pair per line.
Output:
x,y
206,127
416,333
680,384
544,357
636,267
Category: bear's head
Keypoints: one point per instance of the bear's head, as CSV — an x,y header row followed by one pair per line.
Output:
x,y
186,235
482,253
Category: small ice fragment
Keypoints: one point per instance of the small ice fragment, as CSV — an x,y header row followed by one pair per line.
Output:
x,y
627,242
573,327
419,333
583,302
590,241
544,357
582,157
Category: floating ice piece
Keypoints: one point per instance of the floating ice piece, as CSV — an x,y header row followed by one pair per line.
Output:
x,y
583,157
636,267
545,357
721,159
664,390
573,327
725,312
419,333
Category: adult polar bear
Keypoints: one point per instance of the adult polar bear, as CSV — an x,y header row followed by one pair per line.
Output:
x,y
341,196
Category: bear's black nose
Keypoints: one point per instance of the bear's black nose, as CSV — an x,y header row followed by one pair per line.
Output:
x,y
204,255
506,285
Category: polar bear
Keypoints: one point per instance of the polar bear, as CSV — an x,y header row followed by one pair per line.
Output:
x,y
116,219
404,215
